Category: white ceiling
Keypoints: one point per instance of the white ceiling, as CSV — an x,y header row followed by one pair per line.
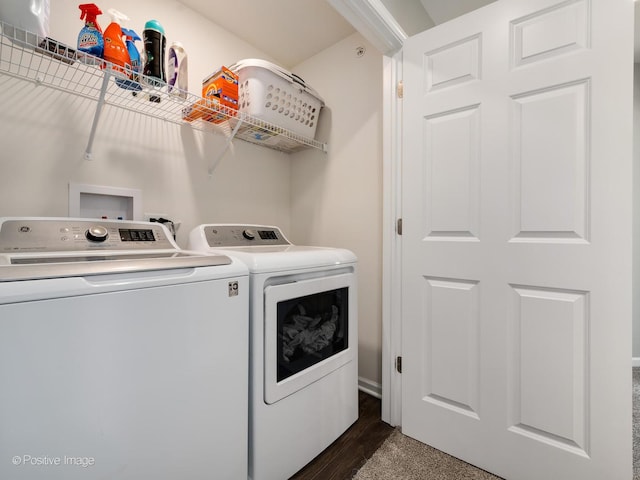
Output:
x,y
442,11
291,31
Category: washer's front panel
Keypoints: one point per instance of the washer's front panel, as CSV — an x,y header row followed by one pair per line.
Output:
x,y
40,235
137,384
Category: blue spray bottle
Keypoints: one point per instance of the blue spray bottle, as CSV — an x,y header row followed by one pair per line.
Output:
x,y
90,39
136,66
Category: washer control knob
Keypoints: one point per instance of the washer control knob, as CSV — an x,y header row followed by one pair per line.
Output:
x,y
248,234
97,233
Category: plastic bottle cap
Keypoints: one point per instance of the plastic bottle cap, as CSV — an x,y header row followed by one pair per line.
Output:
x,y
117,17
130,34
154,25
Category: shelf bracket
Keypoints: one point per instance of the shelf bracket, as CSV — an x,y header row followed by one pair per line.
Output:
x,y
215,163
88,154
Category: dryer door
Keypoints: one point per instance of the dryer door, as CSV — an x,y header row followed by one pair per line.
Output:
x,y
310,331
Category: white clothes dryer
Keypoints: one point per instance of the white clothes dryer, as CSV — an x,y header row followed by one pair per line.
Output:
x,y
303,355
121,356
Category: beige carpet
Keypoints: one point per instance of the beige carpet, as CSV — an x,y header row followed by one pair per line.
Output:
x,y
403,458
636,423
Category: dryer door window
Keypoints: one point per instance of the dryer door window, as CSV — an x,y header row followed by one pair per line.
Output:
x,y
310,331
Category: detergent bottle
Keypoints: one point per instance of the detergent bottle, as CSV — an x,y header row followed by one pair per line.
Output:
x,y
90,39
134,56
154,50
177,80
115,51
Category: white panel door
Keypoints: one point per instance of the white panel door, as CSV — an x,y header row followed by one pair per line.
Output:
x,y
516,283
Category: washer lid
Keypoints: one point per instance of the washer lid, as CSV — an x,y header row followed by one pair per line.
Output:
x,y
31,267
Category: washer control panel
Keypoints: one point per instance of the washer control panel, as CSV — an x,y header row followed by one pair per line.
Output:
x,y
56,235
243,235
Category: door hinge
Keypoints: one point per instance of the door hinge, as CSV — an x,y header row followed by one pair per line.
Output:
x,y
399,226
399,364
400,89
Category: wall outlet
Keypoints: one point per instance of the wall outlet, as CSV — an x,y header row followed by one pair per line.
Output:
x,y
149,216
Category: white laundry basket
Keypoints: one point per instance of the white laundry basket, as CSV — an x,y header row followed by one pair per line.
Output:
x,y
270,93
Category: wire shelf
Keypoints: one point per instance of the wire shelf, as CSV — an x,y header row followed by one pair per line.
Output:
x,y
47,62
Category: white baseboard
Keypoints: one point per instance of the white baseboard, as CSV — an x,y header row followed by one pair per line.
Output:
x,y
635,362
372,388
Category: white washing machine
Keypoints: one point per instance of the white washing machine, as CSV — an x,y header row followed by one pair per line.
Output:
x,y
121,356
303,355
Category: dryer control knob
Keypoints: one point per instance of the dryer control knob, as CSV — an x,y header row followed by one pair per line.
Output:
x,y
248,234
97,234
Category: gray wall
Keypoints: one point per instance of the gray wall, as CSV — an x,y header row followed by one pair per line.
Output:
x,y
636,212
337,200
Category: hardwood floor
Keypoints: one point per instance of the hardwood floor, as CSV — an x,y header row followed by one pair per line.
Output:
x,y
342,459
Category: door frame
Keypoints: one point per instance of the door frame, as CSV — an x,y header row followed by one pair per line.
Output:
x,y
391,244
375,23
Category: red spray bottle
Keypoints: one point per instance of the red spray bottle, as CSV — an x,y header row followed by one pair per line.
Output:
x,y
90,39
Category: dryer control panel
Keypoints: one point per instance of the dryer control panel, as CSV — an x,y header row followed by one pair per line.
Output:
x,y
243,235
57,235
